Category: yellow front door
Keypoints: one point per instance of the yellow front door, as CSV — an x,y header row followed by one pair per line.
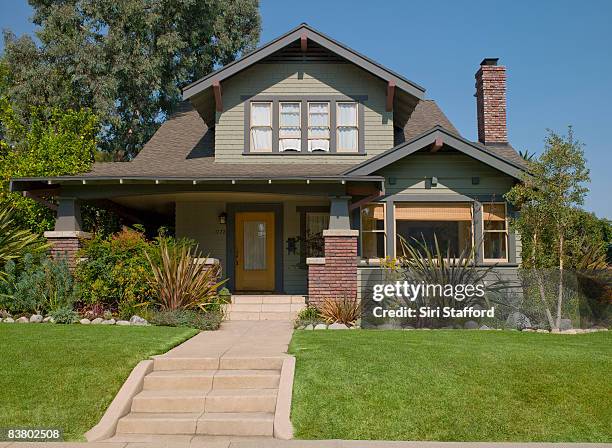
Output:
x,y
254,251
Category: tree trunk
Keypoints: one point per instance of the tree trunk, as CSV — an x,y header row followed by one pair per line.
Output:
x,y
560,292
540,282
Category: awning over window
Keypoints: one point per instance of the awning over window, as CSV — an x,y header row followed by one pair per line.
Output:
x,y
434,211
494,212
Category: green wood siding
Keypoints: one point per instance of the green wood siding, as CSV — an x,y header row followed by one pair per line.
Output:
x,y
301,79
454,173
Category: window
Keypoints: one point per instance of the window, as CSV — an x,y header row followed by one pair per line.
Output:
x,y
448,223
290,131
373,231
495,232
261,127
314,244
347,129
318,127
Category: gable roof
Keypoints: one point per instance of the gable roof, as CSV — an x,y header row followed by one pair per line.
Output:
x,y
474,150
295,34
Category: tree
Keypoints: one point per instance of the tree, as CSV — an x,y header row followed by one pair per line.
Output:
x,y
126,61
53,143
549,199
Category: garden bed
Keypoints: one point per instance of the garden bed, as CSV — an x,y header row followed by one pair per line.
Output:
x,y
65,376
452,385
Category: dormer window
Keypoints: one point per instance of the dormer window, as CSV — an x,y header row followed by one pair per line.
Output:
x,y
290,130
261,127
318,127
304,124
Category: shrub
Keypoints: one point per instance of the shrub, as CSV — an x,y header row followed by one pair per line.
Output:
x,y
37,285
14,242
179,281
187,318
308,316
345,311
64,315
115,269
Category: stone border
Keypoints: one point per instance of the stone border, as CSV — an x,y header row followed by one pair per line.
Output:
x,y
67,234
121,404
340,232
283,429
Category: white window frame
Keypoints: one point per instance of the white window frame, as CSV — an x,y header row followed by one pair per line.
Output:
x,y
280,127
308,139
356,127
505,231
383,231
251,127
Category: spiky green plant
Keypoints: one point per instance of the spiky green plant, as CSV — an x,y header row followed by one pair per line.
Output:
x,y
15,242
179,281
420,264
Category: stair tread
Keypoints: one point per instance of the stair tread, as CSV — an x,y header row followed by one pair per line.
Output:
x,y
242,392
247,372
171,393
166,373
162,416
220,416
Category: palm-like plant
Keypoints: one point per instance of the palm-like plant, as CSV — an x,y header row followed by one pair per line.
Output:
x,y
179,281
420,264
15,242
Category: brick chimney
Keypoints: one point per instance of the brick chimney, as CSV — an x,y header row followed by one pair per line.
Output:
x,y
491,102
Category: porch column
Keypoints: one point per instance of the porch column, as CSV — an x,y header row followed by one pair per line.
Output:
x,y
335,275
66,239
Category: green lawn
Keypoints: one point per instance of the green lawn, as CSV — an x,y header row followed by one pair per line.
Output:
x,y
452,386
65,376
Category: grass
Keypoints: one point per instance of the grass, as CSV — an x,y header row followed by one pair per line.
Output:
x,y
452,386
65,376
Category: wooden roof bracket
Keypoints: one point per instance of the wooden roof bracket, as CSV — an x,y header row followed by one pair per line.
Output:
x,y
390,95
303,42
218,96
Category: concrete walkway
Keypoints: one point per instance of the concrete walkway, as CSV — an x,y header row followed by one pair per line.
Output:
x,y
237,339
213,442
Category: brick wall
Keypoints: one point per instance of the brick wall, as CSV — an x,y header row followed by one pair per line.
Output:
x,y
491,104
65,245
334,277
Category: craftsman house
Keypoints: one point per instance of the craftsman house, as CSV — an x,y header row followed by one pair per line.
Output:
x,y
299,166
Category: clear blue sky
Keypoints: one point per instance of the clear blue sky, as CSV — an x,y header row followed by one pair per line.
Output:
x,y
558,55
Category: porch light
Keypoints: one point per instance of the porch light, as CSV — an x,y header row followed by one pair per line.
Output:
x,y
222,218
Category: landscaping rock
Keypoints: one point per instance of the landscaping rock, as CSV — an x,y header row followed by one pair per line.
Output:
x,y
470,325
137,320
337,326
484,327
123,322
570,331
8,320
23,320
309,327
408,328
528,330
109,322
36,318
518,320
541,330
85,321
47,319
320,327
566,324
97,320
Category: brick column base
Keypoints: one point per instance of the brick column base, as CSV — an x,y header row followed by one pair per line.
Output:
x,y
335,275
66,244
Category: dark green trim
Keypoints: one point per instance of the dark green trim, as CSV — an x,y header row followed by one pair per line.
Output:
x,y
277,208
302,210
291,36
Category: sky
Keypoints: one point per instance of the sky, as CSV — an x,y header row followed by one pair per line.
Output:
x,y
557,53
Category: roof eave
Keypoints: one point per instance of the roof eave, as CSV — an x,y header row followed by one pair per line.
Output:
x,y
342,50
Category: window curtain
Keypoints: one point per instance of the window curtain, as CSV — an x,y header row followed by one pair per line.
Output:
x,y
261,127
318,126
290,132
347,126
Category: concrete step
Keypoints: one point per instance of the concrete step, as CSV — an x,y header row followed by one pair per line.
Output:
x,y
179,379
241,400
171,363
268,299
236,424
248,363
242,315
162,401
246,379
161,423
